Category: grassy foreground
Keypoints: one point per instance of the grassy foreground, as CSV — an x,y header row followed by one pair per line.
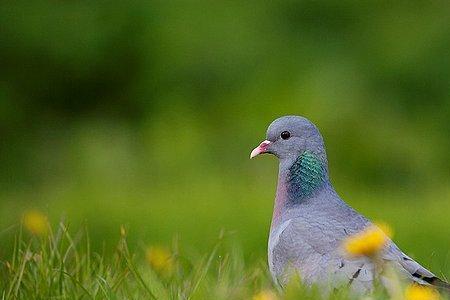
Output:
x,y
53,264
59,265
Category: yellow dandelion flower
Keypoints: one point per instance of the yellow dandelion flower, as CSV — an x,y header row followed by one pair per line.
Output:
x,y
419,292
35,222
265,295
385,228
160,258
367,242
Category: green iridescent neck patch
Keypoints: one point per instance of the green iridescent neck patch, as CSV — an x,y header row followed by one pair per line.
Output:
x,y
306,175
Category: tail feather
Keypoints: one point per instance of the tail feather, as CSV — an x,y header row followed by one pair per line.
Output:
x,y
434,281
440,284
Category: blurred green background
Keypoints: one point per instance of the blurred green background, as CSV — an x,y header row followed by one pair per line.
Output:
x,y
144,113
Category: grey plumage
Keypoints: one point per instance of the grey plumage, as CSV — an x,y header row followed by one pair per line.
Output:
x,y
310,220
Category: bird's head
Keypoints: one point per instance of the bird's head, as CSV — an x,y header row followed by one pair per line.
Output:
x,y
290,136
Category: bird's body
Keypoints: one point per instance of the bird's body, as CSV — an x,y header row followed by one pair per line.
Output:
x,y
310,221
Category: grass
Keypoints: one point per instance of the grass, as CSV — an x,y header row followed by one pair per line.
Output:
x,y
107,263
58,265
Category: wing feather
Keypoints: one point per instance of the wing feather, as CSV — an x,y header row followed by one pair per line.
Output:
x,y
313,249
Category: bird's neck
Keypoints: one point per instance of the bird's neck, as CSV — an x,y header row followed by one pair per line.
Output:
x,y
298,180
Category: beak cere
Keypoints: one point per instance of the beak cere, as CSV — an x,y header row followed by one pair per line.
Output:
x,y
260,149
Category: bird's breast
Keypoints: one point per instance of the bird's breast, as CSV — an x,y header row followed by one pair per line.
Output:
x,y
274,238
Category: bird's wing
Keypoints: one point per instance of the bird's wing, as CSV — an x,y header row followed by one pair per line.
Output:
x,y
412,269
312,248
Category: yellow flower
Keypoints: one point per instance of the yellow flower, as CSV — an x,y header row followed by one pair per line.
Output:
x,y
367,242
35,222
419,292
160,259
265,295
385,228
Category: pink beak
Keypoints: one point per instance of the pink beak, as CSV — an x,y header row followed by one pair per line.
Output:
x,y
260,149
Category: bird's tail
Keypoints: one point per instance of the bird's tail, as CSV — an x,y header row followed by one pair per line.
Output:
x,y
440,284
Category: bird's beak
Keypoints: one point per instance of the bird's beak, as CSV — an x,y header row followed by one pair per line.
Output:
x,y
260,149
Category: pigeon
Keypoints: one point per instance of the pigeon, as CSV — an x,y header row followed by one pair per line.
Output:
x,y
310,221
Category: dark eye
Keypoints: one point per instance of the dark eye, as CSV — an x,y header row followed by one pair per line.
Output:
x,y
285,135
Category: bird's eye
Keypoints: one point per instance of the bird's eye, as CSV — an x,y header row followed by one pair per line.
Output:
x,y
285,135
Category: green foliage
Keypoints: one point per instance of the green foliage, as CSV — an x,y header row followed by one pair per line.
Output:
x,y
61,265
64,266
